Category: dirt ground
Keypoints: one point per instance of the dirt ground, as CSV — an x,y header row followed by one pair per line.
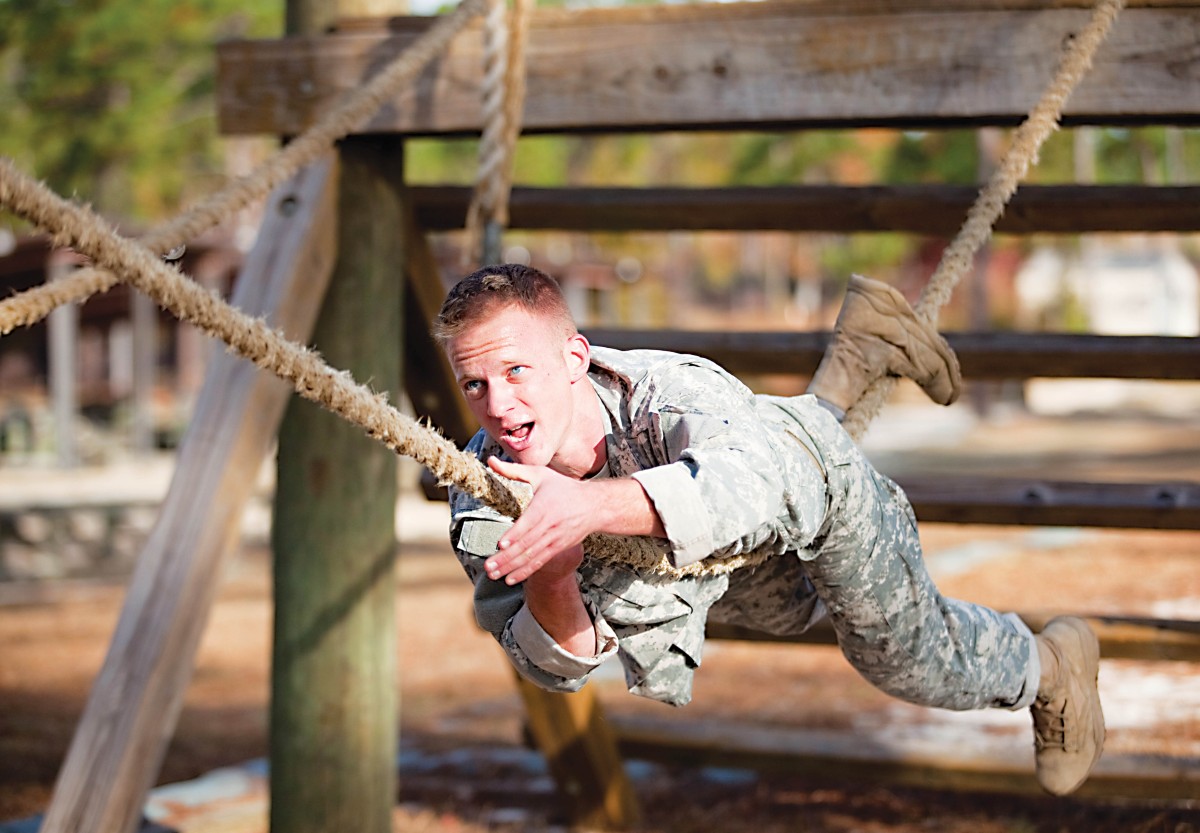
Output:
x,y
457,691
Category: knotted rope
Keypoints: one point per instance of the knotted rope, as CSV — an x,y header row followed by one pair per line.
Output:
x,y
1027,141
349,114
76,226
505,34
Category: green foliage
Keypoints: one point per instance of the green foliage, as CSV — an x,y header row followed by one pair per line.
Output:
x,y
112,100
949,156
865,254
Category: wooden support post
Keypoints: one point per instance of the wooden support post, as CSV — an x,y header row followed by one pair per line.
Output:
x,y
334,699
333,704
581,751
129,717
428,377
569,730
63,330
145,359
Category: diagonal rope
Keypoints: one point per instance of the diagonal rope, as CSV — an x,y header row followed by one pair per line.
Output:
x,y
959,256
73,225
355,109
76,226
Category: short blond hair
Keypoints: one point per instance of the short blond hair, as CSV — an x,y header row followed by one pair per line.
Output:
x,y
493,286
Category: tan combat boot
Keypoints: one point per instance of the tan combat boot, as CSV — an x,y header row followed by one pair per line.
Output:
x,y
1068,724
878,333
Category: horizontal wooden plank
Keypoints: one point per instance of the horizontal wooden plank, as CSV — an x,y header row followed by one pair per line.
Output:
x,y
861,756
651,13
1007,355
1121,637
770,65
918,209
1031,502
1000,501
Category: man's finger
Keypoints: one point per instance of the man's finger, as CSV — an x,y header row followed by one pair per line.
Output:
x,y
501,564
511,471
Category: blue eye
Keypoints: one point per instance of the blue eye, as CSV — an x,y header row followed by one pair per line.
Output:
x,y
518,370
472,386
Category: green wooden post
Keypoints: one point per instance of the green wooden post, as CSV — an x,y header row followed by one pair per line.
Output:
x,y
334,704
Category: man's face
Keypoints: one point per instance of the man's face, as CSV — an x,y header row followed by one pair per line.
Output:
x,y
517,371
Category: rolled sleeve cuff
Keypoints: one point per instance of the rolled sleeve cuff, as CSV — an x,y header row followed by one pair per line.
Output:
x,y
676,498
541,649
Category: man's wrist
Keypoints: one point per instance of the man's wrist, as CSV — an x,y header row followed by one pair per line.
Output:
x,y
544,590
557,605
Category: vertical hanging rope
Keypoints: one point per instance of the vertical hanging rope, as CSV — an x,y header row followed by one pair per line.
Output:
x,y
959,256
505,34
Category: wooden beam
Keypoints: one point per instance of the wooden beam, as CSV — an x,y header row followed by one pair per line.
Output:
x,y
134,703
1033,502
574,734
334,704
864,756
982,355
1121,637
772,65
428,377
568,729
937,210
63,353
377,23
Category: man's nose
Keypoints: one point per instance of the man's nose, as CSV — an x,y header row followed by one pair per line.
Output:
x,y
499,401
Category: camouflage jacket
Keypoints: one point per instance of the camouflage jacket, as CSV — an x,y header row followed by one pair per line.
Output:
x,y
727,471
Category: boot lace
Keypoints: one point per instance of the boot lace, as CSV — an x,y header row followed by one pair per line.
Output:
x,y
1050,724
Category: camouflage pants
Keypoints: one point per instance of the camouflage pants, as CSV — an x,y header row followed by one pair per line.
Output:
x,y
892,624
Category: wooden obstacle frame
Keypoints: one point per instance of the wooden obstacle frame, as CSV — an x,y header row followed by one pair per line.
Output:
x,y
807,64
931,64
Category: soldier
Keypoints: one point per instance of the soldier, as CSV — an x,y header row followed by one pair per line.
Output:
x,y
649,443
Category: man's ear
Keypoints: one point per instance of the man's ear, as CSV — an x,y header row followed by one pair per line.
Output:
x,y
578,355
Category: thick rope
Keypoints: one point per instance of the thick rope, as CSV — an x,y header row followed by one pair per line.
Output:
x,y
959,256
73,225
35,304
503,102
78,227
491,151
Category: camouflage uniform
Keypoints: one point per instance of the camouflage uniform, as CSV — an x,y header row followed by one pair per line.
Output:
x,y
729,471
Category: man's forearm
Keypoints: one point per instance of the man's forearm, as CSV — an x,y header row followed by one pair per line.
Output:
x,y
622,507
558,607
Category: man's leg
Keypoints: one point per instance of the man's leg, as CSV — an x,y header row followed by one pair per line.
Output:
x,y
903,636
893,624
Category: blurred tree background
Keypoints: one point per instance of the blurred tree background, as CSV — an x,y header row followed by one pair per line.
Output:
x,y
112,100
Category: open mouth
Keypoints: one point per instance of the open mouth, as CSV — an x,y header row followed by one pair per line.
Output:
x,y
517,437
